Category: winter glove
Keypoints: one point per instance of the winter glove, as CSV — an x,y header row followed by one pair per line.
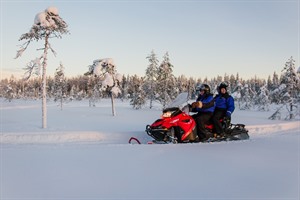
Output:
x,y
228,114
227,120
197,104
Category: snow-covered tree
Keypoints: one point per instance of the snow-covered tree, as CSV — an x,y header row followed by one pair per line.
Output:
x,y
233,83
288,92
138,97
246,99
94,91
151,77
9,92
262,99
191,88
47,24
182,84
291,78
60,85
166,91
237,94
124,88
110,80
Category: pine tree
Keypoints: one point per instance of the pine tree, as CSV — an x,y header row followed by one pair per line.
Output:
x,y
151,77
287,92
60,85
262,99
269,83
165,82
110,80
47,24
232,82
138,98
237,94
291,80
247,94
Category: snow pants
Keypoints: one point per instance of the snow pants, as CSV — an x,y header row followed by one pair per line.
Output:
x,y
202,118
218,114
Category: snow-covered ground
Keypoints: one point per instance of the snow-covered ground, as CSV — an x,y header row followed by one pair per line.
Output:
x,y
84,154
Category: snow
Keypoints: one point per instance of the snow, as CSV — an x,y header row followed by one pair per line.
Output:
x,y
84,154
105,68
41,18
108,80
52,10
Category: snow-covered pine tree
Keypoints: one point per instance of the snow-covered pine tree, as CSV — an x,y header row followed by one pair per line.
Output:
x,y
273,86
262,99
246,99
226,78
124,88
8,92
166,90
291,79
191,88
126,84
47,24
110,80
94,90
237,94
269,83
151,77
182,84
60,85
138,97
233,83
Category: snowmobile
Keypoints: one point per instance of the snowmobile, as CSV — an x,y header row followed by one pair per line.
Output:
x,y
177,126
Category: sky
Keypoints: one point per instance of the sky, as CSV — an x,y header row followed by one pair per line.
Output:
x,y
203,38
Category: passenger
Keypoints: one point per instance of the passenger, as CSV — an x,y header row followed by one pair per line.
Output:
x,y
224,107
204,106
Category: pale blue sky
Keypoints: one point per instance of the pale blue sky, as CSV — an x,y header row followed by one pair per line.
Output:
x,y
203,38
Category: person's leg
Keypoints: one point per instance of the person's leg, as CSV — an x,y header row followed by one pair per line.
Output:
x,y
218,114
201,121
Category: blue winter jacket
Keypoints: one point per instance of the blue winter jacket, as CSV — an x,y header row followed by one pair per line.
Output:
x,y
208,104
225,102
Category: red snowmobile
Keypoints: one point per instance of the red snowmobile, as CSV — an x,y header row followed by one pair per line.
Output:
x,y
176,126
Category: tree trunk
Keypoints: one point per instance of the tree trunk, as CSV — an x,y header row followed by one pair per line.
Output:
x,y
291,111
61,101
151,98
44,85
112,104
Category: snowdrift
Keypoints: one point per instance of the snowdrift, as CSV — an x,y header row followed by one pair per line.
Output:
x,y
79,123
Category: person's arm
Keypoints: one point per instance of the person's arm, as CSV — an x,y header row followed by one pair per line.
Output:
x,y
230,106
208,104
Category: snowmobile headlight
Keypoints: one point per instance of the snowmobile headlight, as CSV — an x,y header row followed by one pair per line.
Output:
x,y
166,114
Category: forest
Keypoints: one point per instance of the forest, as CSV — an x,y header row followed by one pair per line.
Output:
x,y
160,85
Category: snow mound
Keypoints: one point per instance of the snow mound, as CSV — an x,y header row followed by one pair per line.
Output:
x,y
267,129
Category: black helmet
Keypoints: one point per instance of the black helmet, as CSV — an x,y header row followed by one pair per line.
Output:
x,y
222,85
206,88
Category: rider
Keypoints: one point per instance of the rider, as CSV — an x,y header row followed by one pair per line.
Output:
x,y
224,108
205,106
